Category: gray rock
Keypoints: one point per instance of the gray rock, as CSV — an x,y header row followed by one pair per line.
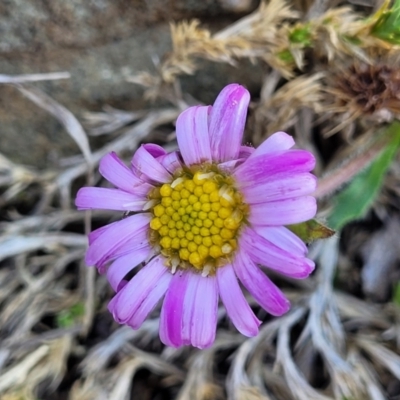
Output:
x,y
100,42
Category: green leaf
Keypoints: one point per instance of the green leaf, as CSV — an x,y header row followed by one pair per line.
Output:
x,y
387,26
311,230
396,294
355,200
286,56
352,40
301,34
67,318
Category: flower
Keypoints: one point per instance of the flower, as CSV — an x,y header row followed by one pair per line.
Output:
x,y
202,219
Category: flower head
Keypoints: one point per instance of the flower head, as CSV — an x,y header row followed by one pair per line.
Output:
x,y
203,218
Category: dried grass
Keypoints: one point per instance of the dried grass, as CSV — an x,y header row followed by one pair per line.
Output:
x,y
57,339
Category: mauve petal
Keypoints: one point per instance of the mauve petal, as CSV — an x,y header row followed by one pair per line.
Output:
x,y
277,142
200,310
111,305
283,212
139,240
259,285
192,135
116,172
146,167
155,150
116,235
246,151
172,310
171,161
283,238
108,199
134,293
266,253
150,302
229,166
121,266
256,170
235,303
227,121
190,304
99,231
280,187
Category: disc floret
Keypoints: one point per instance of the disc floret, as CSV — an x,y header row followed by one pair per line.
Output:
x,y
197,220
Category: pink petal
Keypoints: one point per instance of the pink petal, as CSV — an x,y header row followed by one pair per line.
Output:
x,y
134,293
283,212
171,161
155,150
282,238
229,166
124,264
277,142
139,240
146,167
116,235
246,151
99,231
278,259
259,285
190,304
280,187
200,311
150,301
192,135
108,199
172,310
235,303
227,121
111,305
257,170
116,172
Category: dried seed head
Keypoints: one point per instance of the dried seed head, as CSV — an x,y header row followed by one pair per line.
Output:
x,y
369,89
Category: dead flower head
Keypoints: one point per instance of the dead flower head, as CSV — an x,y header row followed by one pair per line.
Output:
x,y
365,91
371,88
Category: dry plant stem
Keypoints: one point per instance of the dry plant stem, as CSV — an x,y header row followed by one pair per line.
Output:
x,y
382,355
65,117
260,35
34,77
380,254
365,371
128,141
89,273
100,355
299,387
134,360
325,327
335,179
102,123
18,374
90,276
114,382
42,339
238,380
257,372
15,245
280,111
199,383
359,313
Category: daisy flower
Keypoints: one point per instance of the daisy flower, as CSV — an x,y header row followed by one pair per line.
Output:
x,y
201,220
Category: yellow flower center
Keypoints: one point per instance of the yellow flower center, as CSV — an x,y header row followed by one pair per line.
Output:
x,y
196,220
